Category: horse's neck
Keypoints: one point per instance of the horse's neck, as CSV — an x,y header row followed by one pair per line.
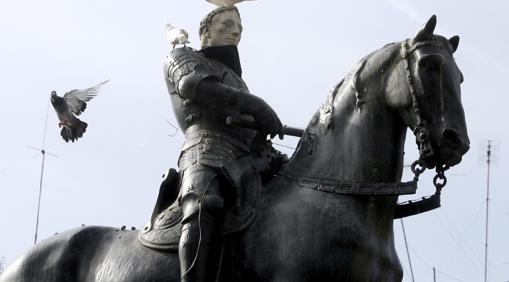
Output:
x,y
354,137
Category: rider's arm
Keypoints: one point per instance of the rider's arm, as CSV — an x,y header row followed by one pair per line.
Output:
x,y
194,80
212,92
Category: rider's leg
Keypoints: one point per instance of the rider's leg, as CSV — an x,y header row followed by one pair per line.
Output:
x,y
201,202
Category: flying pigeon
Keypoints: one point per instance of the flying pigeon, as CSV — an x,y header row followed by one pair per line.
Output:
x,y
226,3
72,104
176,35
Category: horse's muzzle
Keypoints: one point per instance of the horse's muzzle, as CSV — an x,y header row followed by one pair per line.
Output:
x,y
453,146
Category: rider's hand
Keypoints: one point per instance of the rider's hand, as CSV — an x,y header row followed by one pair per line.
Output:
x,y
265,117
268,122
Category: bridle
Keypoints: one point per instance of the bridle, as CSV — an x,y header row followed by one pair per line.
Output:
x,y
425,149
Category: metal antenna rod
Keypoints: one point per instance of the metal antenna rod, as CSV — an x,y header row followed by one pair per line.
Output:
x,y
488,160
40,194
43,152
407,252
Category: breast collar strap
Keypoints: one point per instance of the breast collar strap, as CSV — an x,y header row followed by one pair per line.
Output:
x,y
345,188
405,209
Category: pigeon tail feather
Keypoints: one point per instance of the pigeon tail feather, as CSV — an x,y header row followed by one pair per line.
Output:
x,y
74,132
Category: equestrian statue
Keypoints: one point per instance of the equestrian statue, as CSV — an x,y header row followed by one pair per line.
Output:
x,y
238,210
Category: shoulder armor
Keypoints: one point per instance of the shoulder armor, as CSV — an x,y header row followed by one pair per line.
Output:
x,y
186,67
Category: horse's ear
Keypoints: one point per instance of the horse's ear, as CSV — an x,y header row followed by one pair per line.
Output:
x,y
426,33
455,41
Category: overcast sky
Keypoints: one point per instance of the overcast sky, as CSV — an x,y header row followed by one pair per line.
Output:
x,y
292,52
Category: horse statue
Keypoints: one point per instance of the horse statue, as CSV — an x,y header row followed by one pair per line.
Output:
x,y
328,214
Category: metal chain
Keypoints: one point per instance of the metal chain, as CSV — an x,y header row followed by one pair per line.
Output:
x,y
440,176
439,181
417,170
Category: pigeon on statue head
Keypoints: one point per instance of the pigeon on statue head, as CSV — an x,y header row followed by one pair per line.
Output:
x,y
72,104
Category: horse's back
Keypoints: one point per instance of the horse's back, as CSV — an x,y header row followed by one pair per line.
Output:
x,y
93,254
55,258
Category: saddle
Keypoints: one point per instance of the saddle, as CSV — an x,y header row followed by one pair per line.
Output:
x,y
164,229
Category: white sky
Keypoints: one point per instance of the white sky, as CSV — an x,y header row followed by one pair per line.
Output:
x,y
292,52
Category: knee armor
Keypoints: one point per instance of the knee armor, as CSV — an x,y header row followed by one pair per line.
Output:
x,y
200,190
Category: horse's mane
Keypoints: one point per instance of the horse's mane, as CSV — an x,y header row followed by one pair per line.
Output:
x,y
380,59
376,59
352,84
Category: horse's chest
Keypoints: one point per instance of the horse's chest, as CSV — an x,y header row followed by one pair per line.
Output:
x,y
311,236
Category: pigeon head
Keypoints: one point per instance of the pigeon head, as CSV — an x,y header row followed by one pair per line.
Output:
x,y
55,99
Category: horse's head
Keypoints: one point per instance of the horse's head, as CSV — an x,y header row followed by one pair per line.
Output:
x,y
426,92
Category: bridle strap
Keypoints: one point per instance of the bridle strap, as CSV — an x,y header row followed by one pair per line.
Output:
x,y
424,144
405,54
420,131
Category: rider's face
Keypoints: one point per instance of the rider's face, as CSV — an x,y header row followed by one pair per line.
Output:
x,y
225,29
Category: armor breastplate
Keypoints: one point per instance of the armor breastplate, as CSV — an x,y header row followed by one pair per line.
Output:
x,y
186,64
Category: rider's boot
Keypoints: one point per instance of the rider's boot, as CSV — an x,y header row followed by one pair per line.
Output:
x,y
194,247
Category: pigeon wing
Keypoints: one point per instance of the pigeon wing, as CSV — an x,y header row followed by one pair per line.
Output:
x,y
169,33
77,99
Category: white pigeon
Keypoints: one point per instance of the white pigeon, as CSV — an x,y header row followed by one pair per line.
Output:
x,y
176,35
226,3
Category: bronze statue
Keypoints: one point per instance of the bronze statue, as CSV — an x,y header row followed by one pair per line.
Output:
x,y
206,89
328,213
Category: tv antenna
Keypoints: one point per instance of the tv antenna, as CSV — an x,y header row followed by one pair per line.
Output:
x,y
490,147
43,152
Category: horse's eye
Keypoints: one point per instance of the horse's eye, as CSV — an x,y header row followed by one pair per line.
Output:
x,y
430,63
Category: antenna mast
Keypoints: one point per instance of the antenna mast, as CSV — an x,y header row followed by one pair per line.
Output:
x,y
43,153
488,162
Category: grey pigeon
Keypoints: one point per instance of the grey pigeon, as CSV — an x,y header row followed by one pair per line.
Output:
x,y
72,104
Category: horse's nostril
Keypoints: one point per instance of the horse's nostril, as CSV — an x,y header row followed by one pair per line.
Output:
x,y
452,138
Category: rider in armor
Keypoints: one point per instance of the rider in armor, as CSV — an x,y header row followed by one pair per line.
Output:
x,y
206,88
